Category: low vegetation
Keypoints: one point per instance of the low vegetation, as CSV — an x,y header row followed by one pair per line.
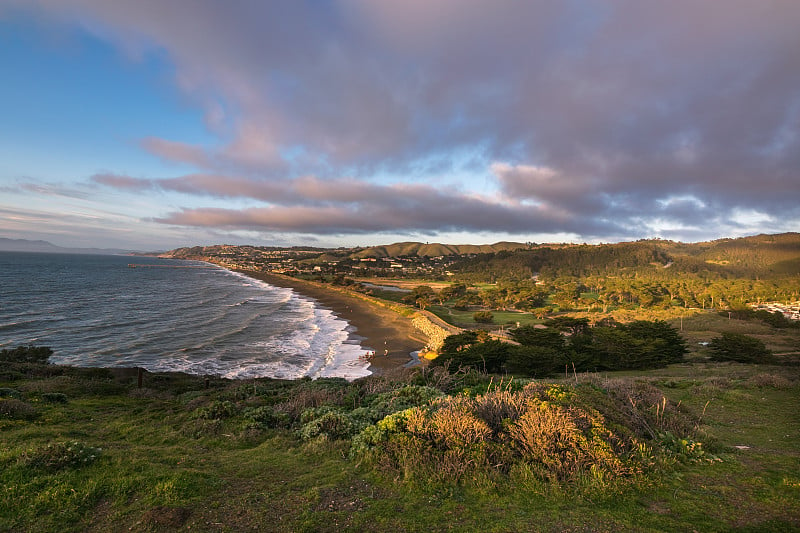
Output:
x,y
696,445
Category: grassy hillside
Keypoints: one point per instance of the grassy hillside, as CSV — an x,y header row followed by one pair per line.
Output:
x,y
762,255
87,450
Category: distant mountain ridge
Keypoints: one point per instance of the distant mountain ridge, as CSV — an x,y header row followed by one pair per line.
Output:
x,y
25,245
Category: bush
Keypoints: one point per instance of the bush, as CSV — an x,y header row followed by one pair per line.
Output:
x,y
26,354
10,393
267,417
561,443
385,403
54,397
17,410
739,348
769,380
552,431
217,410
63,455
334,425
483,317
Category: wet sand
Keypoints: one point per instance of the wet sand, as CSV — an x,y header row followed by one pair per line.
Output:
x,y
377,328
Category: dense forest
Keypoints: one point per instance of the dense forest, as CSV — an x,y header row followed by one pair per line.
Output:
x,y
727,273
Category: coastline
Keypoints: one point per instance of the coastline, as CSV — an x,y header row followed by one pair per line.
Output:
x,y
376,328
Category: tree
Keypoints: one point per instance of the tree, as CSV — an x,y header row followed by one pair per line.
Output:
x,y
664,343
473,350
739,348
533,336
639,345
483,317
574,326
458,342
538,361
452,292
421,293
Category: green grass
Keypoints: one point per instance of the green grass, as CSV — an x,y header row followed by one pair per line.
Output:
x,y
465,318
705,326
163,467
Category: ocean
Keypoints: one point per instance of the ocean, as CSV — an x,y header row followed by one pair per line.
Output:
x,y
169,315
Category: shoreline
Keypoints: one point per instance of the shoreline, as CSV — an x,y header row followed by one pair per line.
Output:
x,y
377,328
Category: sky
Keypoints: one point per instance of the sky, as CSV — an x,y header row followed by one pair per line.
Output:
x,y
145,124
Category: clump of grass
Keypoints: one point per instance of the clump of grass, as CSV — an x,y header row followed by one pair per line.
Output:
x,y
685,449
5,392
640,407
768,380
54,397
308,395
62,455
17,410
199,428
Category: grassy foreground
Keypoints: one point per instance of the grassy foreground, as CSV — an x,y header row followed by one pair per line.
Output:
x,y
88,450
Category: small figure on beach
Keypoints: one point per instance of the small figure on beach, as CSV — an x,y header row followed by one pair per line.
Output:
x,y
386,353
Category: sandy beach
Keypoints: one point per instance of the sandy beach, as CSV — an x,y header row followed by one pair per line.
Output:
x,y
377,328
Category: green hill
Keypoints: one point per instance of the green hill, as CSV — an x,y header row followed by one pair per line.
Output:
x,y
410,249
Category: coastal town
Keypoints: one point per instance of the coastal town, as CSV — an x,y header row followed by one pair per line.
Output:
x,y
313,261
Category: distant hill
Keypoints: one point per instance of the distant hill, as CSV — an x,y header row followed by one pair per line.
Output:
x,y
24,245
406,249
759,255
750,257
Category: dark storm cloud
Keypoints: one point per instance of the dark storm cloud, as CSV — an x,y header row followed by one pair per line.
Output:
x,y
599,118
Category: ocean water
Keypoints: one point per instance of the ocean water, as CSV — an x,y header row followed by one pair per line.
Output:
x,y
95,310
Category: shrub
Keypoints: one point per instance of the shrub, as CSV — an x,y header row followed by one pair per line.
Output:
x,y
739,348
498,407
17,410
332,424
376,435
549,430
54,397
686,450
400,399
63,455
26,354
10,393
266,417
561,443
217,410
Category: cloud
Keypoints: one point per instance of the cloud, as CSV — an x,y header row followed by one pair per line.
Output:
x,y
346,206
589,117
123,182
177,152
